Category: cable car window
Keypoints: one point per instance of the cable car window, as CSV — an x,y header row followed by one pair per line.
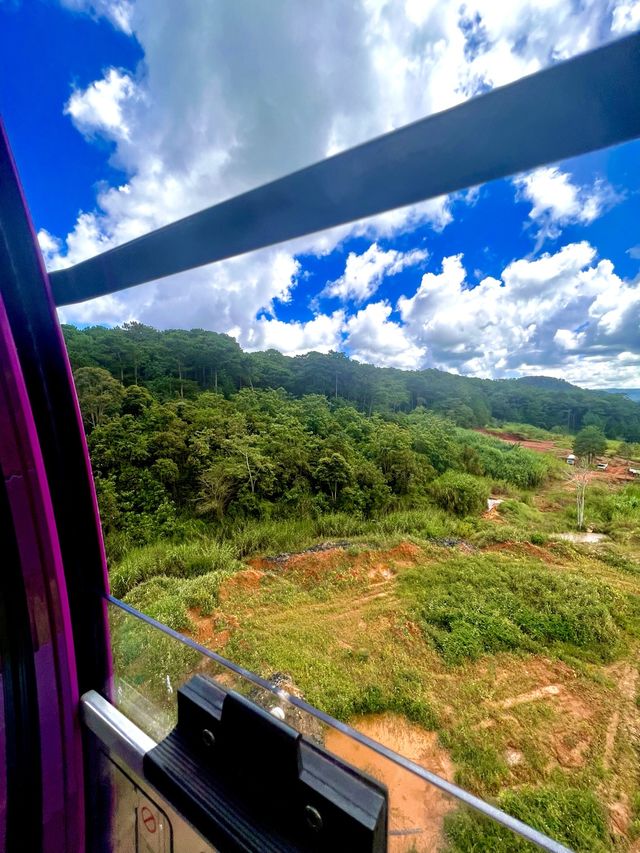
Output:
x,y
371,570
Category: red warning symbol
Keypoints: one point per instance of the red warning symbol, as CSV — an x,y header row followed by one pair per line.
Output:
x,y
148,819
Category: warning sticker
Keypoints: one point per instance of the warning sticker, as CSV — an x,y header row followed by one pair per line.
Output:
x,y
148,819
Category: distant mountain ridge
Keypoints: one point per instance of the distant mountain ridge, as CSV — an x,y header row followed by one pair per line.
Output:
x,y
631,393
549,382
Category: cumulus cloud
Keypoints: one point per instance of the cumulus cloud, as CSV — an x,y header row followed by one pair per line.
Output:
x,y
364,273
565,314
373,338
626,16
203,301
557,201
100,108
321,334
563,309
49,246
227,98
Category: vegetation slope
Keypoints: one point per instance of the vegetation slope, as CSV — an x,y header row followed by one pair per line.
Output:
x,y
339,540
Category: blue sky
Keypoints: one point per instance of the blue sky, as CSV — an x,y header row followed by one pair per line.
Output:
x,y
125,115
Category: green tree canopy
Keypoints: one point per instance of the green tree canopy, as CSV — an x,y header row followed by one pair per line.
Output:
x,y
99,394
590,442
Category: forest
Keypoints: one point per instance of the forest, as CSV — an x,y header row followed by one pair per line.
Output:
x,y
166,464
178,363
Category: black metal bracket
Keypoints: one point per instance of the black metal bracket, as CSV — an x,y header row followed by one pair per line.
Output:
x,y
250,782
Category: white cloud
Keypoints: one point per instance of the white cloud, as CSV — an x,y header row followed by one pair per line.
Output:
x,y
558,202
117,11
626,17
563,309
566,314
364,273
373,338
100,108
228,97
49,246
322,334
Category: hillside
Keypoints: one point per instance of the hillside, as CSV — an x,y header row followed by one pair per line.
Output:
x,y
179,364
326,524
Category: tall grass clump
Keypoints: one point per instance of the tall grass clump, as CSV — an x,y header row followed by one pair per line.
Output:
x,y
461,494
530,432
169,599
177,560
431,523
485,603
611,511
340,524
502,461
270,536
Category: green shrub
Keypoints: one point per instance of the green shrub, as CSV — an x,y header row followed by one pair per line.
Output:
x,y
503,461
169,599
462,494
571,816
484,603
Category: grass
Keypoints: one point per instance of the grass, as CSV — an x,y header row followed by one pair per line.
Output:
x,y
528,432
225,551
172,560
442,644
169,599
572,816
293,627
480,604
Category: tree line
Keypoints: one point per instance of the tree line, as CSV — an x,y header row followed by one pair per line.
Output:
x,y
180,364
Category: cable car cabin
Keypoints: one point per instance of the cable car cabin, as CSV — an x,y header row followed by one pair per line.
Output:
x,y
196,753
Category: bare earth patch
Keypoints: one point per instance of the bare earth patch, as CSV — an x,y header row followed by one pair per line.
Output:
x,y
213,631
417,809
566,736
623,728
244,581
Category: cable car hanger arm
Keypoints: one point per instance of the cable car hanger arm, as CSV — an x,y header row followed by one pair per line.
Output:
x,y
577,106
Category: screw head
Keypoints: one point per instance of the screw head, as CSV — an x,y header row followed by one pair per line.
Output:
x,y
313,818
208,738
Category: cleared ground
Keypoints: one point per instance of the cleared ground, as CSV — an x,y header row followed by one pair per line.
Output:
x,y
617,468
344,627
